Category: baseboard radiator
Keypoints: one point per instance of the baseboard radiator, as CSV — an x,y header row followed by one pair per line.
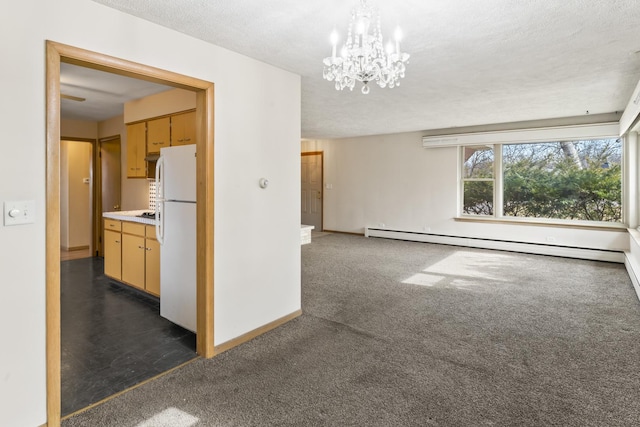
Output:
x,y
631,260
503,245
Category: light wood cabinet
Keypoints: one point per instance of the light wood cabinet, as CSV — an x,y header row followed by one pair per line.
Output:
x,y
136,150
132,254
152,261
133,260
113,253
183,128
158,134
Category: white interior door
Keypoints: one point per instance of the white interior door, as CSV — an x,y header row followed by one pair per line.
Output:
x,y
312,195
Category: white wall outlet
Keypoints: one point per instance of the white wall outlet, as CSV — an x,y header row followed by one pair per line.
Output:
x,y
19,212
551,239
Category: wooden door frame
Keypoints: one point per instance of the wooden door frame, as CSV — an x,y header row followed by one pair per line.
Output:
x,y
55,54
99,229
321,154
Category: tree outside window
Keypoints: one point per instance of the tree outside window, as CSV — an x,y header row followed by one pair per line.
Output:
x,y
567,180
478,181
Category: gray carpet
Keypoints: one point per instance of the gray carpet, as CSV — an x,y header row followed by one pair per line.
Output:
x,y
411,334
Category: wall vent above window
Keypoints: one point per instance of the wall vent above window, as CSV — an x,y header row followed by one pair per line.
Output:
x,y
543,134
438,142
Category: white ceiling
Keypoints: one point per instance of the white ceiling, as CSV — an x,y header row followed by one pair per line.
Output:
x,y
472,62
104,93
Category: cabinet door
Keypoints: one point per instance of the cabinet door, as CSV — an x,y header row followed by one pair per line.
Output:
x,y
158,136
152,266
133,252
113,254
136,152
183,129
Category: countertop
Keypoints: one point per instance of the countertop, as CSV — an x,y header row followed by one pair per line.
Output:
x,y
130,216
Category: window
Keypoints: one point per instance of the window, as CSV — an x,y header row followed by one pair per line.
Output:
x,y
566,180
477,181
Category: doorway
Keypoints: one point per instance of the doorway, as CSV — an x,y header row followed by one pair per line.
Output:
x,y
110,184
76,198
312,196
57,53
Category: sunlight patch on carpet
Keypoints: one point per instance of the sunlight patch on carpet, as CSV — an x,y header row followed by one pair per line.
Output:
x,y
422,279
170,417
476,265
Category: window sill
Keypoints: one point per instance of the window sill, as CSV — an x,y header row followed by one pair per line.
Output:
x,y
620,227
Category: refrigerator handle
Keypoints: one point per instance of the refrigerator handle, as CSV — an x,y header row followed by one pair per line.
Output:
x,y
160,200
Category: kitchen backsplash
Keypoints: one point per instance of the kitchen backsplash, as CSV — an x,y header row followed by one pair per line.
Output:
x,y
152,195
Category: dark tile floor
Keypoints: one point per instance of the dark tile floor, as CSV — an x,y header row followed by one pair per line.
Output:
x,y
112,336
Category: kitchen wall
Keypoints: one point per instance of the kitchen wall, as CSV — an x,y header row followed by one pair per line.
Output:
x,y
159,104
257,132
391,181
134,192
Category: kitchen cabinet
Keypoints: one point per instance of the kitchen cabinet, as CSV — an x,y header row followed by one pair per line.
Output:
x,y
183,128
132,254
136,150
152,261
112,249
158,134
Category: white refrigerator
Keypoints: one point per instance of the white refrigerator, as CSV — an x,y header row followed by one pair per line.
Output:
x,y
176,233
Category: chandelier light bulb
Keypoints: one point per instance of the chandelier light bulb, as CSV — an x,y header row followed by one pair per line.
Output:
x,y
334,37
398,34
389,48
364,56
334,43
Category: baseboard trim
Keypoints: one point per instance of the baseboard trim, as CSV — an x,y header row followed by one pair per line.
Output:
x,y
503,245
74,248
343,232
228,345
633,270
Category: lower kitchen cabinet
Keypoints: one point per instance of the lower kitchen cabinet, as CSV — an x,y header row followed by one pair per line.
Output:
x,y
132,255
133,260
152,266
113,254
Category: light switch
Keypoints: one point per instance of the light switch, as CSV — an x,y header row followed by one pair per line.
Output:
x,y
20,212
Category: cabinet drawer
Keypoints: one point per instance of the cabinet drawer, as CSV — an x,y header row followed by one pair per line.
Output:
x,y
112,224
133,228
151,231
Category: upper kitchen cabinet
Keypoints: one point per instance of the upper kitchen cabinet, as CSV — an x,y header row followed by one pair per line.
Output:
x,y
183,128
136,150
158,134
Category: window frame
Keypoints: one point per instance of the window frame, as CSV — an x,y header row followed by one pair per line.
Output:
x,y
498,187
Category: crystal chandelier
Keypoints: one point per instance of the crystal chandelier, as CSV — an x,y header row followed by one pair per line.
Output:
x,y
363,56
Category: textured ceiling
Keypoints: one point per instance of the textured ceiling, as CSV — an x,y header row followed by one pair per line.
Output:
x,y
104,93
472,62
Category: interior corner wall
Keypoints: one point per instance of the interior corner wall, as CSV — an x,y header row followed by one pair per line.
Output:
x,y
257,132
134,192
392,182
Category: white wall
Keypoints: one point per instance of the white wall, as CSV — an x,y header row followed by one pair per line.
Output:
x,y
257,118
392,180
